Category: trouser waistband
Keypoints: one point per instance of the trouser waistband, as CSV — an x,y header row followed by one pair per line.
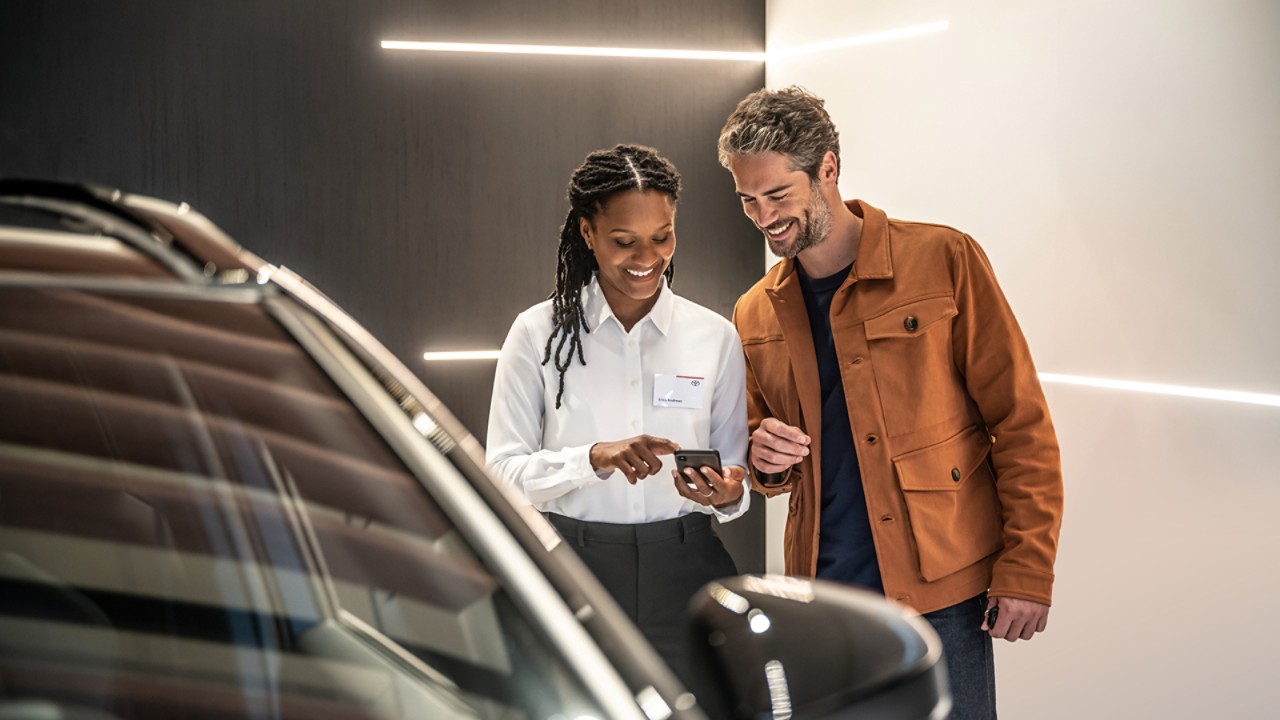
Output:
x,y
584,531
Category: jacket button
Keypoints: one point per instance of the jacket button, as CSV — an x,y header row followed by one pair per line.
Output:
x,y
856,361
871,439
910,323
886,519
955,474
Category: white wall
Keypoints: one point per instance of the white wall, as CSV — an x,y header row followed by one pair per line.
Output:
x,y
1120,163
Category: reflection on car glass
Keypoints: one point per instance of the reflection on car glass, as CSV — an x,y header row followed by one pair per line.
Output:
x,y
192,512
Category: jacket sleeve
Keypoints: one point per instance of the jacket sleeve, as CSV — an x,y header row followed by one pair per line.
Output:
x,y
995,360
767,484
514,446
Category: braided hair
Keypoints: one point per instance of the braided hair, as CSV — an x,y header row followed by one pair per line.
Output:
x,y
602,175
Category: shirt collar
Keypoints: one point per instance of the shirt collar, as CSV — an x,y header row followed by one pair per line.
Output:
x,y
596,310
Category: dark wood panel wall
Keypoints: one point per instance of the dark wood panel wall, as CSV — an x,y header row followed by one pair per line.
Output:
x,y
422,192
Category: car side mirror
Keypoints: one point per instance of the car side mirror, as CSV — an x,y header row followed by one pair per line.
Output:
x,y
782,647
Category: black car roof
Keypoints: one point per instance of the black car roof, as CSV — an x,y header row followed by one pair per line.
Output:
x,y
77,229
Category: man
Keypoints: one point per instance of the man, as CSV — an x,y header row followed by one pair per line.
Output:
x,y
891,392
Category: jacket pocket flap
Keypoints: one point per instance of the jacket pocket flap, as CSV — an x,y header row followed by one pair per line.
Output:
x,y
944,466
760,339
911,319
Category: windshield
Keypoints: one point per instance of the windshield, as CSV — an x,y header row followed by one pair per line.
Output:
x,y
195,522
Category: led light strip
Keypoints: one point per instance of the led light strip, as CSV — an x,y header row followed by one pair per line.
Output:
x,y
899,34
1238,396
571,50
579,50
461,355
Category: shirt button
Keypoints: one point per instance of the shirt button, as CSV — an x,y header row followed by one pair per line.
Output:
x,y
635,424
955,474
635,383
910,323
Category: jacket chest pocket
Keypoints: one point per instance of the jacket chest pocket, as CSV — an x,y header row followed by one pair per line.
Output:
x,y
770,364
951,499
914,366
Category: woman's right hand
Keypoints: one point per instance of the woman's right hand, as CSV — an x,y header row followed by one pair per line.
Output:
x,y
636,457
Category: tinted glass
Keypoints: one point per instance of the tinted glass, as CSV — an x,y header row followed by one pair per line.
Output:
x,y
195,522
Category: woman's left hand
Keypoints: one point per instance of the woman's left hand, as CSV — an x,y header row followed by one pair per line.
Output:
x,y
709,487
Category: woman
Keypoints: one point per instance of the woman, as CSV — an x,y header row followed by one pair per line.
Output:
x,y
654,373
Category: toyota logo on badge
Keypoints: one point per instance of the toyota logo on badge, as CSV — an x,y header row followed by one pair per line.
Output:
x,y
695,383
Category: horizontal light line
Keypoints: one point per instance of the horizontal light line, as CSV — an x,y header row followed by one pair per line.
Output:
x,y
623,52
461,355
572,50
898,34
1238,396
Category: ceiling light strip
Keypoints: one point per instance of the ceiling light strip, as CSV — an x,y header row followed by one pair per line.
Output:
x,y
1236,396
572,50
461,355
867,39
664,54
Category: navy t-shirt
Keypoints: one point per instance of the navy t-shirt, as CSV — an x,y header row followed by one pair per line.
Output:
x,y
846,551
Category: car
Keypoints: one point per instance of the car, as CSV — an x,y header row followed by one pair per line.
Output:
x,y
220,497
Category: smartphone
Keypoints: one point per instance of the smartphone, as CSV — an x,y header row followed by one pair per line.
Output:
x,y
698,459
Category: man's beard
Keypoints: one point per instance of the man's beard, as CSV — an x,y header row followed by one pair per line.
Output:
x,y
814,228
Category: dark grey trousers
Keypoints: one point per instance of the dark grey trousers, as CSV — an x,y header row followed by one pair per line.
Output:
x,y
652,570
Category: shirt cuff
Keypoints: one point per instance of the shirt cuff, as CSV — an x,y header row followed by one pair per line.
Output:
x,y
725,513
578,465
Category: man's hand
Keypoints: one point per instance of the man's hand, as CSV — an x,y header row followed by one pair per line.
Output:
x,y
776,446
1017,619
636,457
710,488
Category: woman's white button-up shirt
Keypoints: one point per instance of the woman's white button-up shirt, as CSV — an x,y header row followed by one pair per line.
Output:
x,y
543,452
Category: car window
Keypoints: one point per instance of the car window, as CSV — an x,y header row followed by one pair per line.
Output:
x,y
195,522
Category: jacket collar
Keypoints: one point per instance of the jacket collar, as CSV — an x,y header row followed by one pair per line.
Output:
x,y
875,256
596,310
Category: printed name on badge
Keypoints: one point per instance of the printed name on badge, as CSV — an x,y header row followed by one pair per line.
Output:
x,y
684,391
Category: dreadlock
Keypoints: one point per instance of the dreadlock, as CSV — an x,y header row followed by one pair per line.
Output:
x,y
603,174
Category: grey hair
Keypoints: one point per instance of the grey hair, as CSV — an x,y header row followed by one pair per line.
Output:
x,y
790,121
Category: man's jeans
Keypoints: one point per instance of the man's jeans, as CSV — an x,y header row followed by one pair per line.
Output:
x,y
971,669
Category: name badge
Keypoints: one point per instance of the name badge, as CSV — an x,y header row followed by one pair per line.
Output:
x,y
683,391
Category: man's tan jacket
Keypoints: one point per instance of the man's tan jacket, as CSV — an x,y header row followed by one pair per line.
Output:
x,y
960,463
